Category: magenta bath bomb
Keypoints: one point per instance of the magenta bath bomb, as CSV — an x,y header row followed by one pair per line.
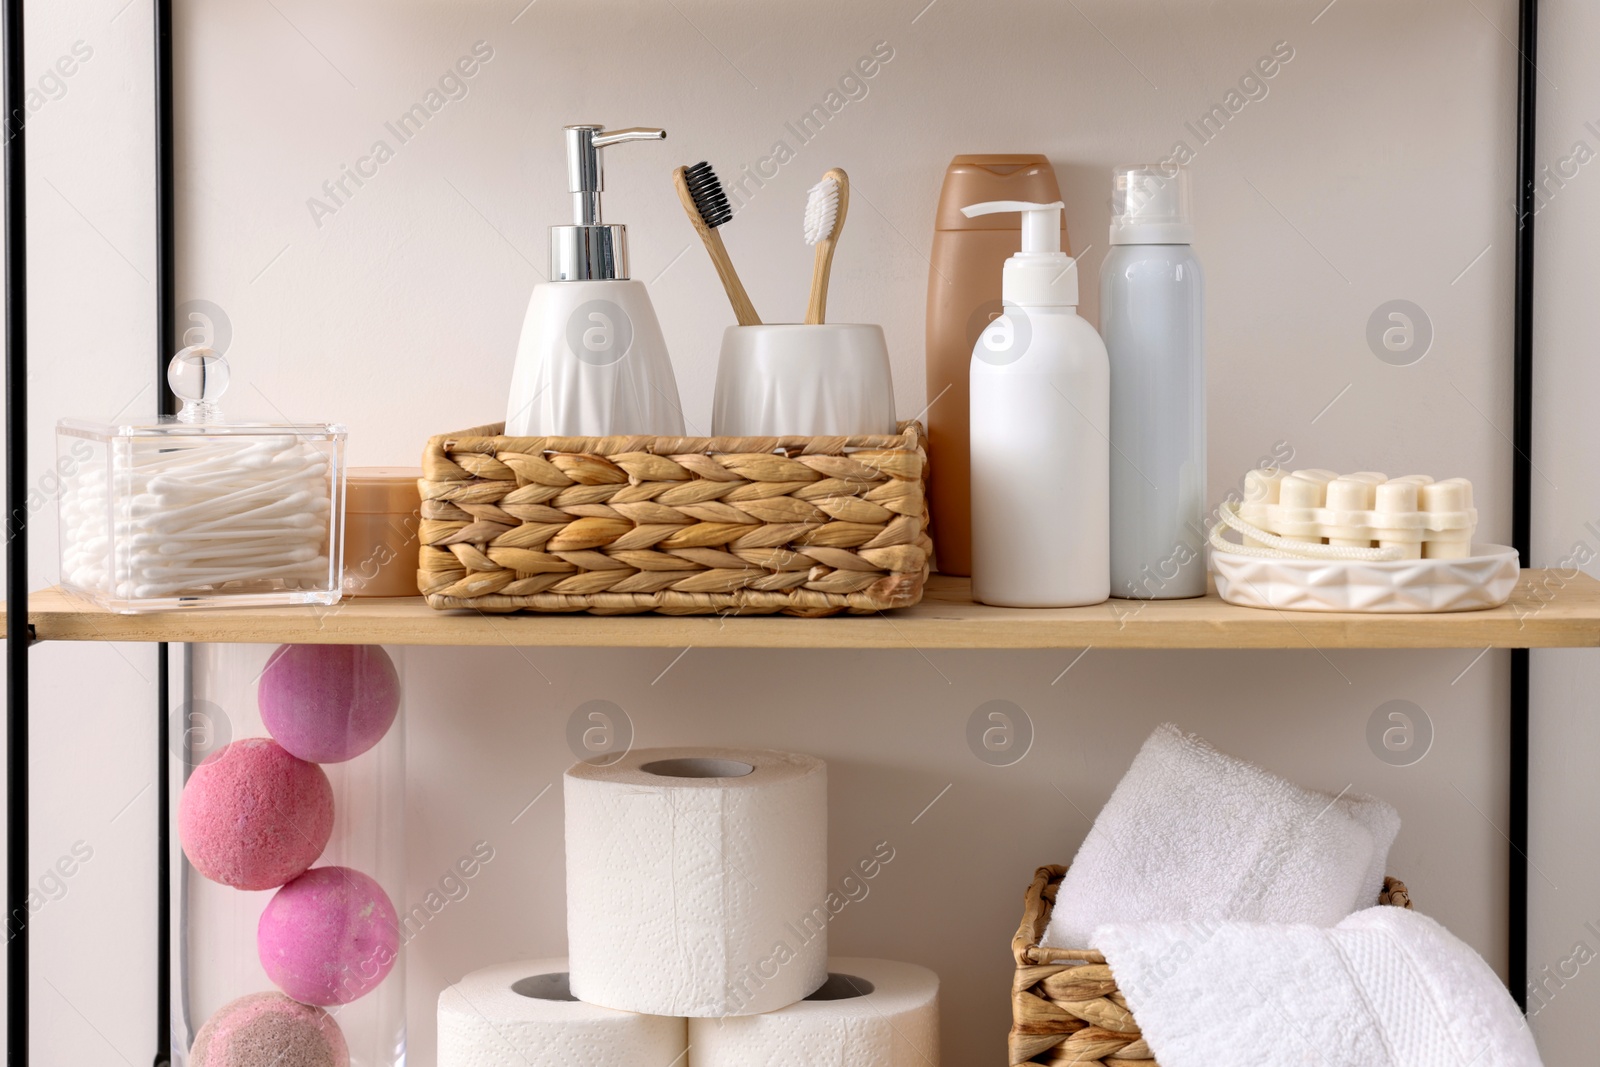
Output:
x,y
252,816
329,703
329,936
269,1030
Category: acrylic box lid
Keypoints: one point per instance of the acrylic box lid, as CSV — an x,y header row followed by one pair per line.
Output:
x,y
170,426
198,377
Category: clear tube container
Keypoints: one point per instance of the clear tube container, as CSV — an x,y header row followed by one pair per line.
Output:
x,y
247,810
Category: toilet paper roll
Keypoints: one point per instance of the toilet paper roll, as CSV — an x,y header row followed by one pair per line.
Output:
x,y
696,880
524,1015
869,1013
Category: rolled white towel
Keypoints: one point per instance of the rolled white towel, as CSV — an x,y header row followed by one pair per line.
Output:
x,y
1385,988
1191,833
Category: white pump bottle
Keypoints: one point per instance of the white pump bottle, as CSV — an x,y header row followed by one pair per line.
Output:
x,y
1041,414
592,361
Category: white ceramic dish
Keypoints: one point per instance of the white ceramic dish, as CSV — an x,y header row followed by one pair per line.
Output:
x,y
1484,579
781,380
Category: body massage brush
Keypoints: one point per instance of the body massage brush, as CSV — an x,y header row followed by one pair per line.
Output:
x,y
1315,540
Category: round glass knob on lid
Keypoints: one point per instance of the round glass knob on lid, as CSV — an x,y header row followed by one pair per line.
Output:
x,y
198,376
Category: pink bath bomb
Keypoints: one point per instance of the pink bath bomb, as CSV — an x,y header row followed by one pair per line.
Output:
x,y
269,1030
329,936
329,703
252,816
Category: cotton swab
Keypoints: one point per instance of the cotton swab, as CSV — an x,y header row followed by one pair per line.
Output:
x,y
192,518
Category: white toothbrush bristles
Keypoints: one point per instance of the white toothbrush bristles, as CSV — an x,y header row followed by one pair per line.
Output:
x,y
822,209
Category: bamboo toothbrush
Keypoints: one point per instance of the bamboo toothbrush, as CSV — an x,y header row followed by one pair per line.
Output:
x,y
825,208
707,207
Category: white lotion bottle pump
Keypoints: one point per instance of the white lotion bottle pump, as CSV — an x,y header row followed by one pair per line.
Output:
x,y
592,361
1041,413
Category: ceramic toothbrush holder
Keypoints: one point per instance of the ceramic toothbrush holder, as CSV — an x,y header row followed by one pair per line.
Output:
x,y
801,380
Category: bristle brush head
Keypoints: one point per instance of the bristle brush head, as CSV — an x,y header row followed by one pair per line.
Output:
x,y
706,192
822,210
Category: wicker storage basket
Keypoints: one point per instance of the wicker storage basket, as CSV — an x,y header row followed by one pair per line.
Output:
x,y
1065,1005
680,525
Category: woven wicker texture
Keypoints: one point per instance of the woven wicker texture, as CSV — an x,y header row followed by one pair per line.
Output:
x,y
1065,1004
681,525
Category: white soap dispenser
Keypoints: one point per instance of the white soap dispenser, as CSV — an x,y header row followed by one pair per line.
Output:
x,y
1041,414
592,361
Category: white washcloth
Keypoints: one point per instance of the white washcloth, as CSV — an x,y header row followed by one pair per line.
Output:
x,y
1385,988
1190,833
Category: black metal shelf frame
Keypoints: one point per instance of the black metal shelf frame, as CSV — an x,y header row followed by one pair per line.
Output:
x,y
19,635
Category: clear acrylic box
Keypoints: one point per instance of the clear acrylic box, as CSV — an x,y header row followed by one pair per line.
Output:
x,y
192,510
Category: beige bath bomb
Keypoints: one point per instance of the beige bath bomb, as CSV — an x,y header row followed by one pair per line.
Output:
x,y
269,1030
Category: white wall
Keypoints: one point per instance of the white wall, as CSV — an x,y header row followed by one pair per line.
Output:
x,y
1375,168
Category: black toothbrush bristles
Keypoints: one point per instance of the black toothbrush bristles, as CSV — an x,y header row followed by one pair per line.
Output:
x,y
706,192
706,204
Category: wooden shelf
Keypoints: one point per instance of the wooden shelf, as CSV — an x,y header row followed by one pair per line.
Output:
x,y
1565,613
